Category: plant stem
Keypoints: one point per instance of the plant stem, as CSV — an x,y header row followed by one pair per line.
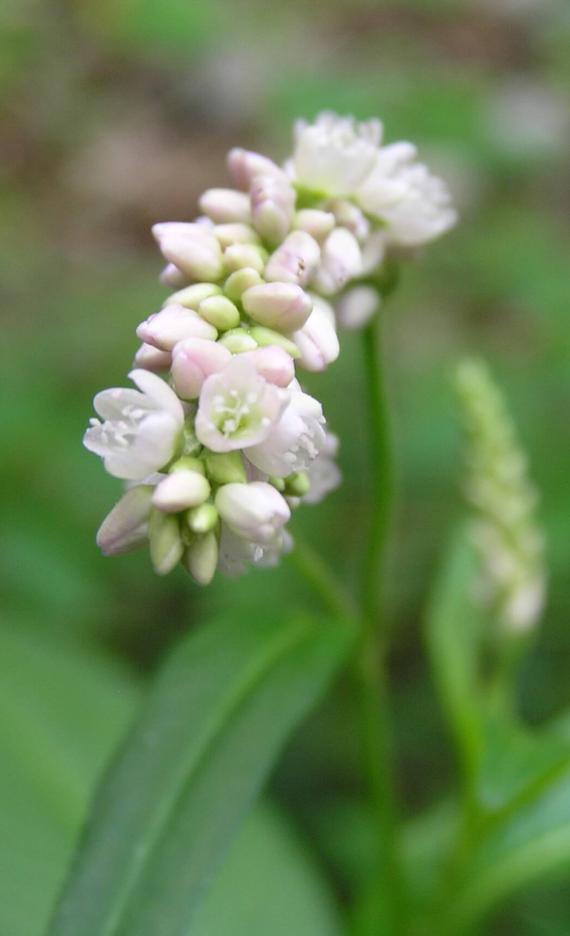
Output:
x,y
370,664
323,580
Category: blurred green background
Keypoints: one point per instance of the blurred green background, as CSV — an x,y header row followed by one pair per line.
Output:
x,y
117,114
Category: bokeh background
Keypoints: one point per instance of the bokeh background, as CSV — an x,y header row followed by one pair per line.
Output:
x,y
117,114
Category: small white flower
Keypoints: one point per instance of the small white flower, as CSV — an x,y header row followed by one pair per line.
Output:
x,y
324,473
141,428
255,511
317,340
334,154
294,440
414,205
237,407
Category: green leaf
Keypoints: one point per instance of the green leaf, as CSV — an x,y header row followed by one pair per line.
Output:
x,y
267,884
214,723
453,635
61,715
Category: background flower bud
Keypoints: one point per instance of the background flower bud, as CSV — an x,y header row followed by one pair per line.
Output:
x,y
245,165
125,527
315,222
283,306
181,490
295,260
201,558
225,205
166,546
172,324
172,276
356,307
228,234
341,260
192,361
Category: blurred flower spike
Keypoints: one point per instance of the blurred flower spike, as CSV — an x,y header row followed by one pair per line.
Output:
x,y
219,439
504,530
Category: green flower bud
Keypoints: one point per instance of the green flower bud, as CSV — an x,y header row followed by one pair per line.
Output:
x,y
188,463
238,282
202,519
278,483
166,546
201,558
298,484
266,336
225,468
238,340
219,312
192,296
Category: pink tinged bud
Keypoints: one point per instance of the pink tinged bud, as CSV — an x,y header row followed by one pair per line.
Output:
x,y
317,340
245,165
356,307
193,360
316,223
341,261
282,306
349,216
152,359
295,260
374,251
273,364
126,527
238,282
272,207
173,277
254,511
193,248
181,490
228,234
225,206
192,296
238,256
172,324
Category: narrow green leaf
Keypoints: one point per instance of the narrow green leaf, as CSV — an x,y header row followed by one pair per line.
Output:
x,y
453,635
214,723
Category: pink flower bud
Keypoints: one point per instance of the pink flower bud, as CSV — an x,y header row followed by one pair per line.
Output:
x,y
349,216
272,206
181,490
356,307
173,277
225,205
341,261
151,358
228,234
273,364
316,223
254,511
126,527
282,306
317,340
192,361
193,248
295,260
245,165
172,324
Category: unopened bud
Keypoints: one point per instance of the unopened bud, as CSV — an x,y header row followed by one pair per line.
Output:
x,y
191,296
266,336
238,282
125,527
317,340
193,360
153,359
201,558
180,490
316,223
172,324
228,234
188,463
225,468
245,165
166,546
237,340
295,260
193,248
220,312
225,205
341,260
238,256
273,363
172,276
283,306
349,216
255,511
202,519
272,206
298,484
355,308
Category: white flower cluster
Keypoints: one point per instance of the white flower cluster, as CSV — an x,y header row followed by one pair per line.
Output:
x,y
505,532
219,441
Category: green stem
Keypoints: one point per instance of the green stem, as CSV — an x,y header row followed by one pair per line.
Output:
x,y
370,663
323,580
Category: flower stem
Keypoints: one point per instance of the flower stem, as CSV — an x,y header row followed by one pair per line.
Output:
x,y
370,663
